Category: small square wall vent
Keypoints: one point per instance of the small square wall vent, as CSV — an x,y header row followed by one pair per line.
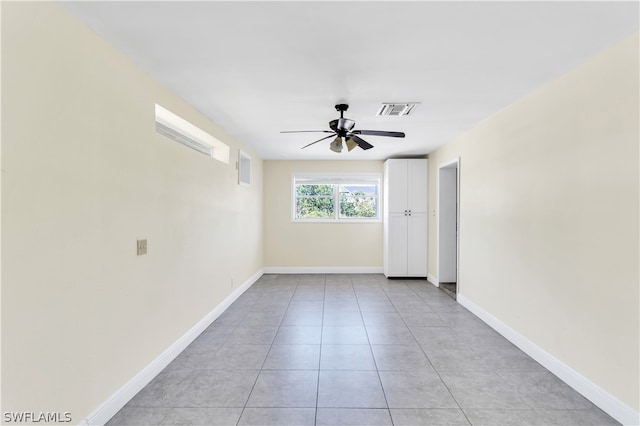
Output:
x,y
397,108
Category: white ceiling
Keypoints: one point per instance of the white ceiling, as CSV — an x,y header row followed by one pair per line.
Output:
x,y
257,68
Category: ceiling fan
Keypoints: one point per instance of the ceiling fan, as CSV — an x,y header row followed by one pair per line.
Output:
x,y
342,129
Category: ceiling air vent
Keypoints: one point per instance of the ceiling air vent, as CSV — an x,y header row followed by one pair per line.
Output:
x,y
396,109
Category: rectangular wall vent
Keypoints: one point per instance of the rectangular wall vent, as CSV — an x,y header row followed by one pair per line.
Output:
x,y
180,130
397,109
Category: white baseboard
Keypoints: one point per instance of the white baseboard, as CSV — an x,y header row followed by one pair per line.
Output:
x,y
594,393
115,402
323,270
433,280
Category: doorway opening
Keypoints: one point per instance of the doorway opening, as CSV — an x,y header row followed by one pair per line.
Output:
x,y
448,224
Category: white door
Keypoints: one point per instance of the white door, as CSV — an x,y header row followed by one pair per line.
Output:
x,y
397,191
417,175
417,245
398,245
448,222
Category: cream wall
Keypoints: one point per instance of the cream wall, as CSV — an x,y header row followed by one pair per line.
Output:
x,y
83,176
294,244
549,218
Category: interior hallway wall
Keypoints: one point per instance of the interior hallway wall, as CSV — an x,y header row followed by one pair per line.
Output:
x,y
84,175
549,193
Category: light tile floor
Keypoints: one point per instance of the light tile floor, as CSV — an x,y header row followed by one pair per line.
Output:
x,y
353,350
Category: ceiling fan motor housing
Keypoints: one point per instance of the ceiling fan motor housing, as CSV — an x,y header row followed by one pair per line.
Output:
x,y
342,126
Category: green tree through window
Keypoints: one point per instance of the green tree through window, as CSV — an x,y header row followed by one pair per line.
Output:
x,y
314,202
335,201
358,201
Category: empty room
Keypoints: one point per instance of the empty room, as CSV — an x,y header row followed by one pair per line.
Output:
x,y
320,213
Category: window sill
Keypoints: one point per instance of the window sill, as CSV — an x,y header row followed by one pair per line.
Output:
x,y
336,220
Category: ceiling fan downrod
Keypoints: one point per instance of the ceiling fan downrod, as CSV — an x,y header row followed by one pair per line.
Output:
x,y
341,108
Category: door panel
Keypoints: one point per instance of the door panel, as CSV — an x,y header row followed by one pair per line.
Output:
x,y
397,192
417,185
417,245
397,255
447,225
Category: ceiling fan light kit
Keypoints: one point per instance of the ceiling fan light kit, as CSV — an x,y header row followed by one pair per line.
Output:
x,y
350,144
342,128
336,145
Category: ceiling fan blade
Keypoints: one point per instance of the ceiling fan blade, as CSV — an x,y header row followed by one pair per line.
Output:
x,y
379,133
306,131
361,142
319,140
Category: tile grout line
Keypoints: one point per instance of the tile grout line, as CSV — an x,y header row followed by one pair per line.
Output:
x,y
324,298
268,352
400,297
371,351
432,366
201,370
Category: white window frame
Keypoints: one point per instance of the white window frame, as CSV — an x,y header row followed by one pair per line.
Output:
x,y
337,179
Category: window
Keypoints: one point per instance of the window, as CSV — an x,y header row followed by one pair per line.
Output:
x,y
342,198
